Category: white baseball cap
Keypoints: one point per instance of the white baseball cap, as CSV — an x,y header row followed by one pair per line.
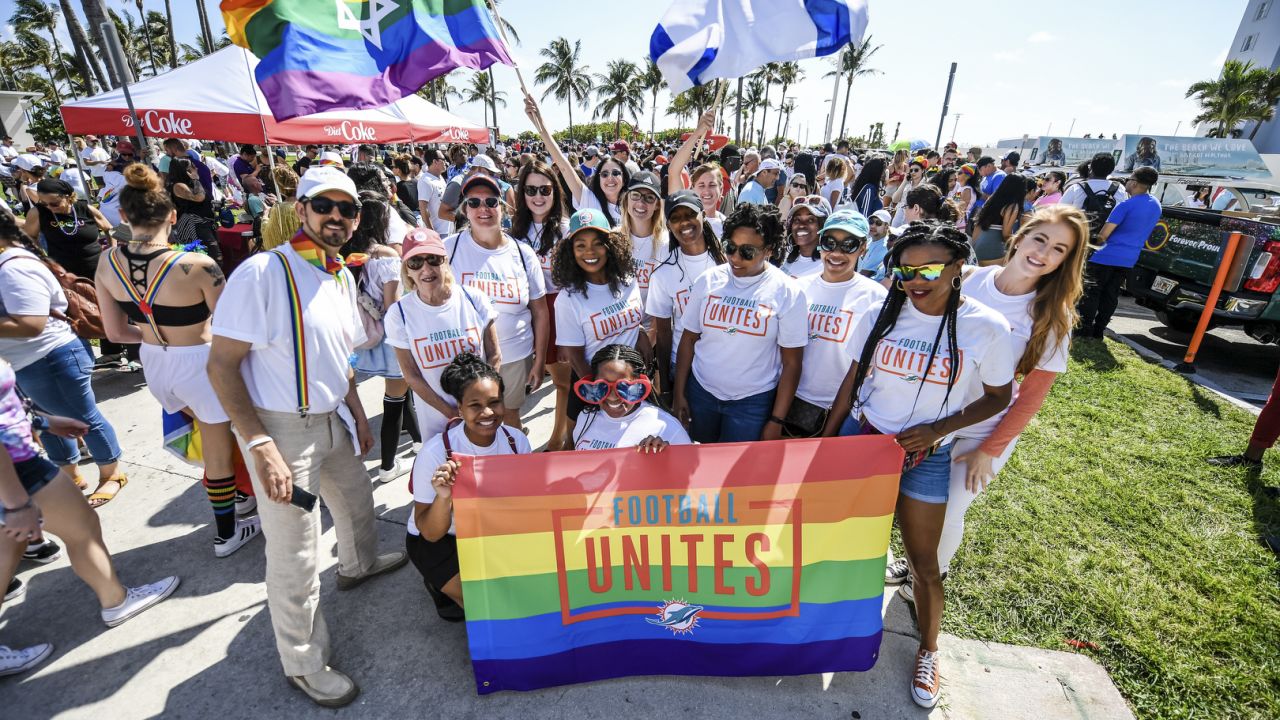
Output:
x,y
28,162
768,164
324,178
484,161
331,158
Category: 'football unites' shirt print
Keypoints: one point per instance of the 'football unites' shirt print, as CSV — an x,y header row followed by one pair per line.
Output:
x,y
829,322
735,315
907,358
439,348
501,289
614,319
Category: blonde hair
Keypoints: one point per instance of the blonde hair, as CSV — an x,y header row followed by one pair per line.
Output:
x,y
659,236
837,169
408,283
1053,310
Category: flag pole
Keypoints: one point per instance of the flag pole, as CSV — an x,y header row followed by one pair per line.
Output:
x,y
493,8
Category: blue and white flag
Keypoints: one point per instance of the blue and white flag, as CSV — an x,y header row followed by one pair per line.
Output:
x,y
701,40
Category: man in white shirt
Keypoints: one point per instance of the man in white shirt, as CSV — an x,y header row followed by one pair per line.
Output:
x,y
1100,167
293,405
431,186
94,159
7,150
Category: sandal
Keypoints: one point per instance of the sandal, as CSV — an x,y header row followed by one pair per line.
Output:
x,y
81,483
100,498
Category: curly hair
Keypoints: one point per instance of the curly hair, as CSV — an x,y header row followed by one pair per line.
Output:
x,y
463,371
618,267
764,219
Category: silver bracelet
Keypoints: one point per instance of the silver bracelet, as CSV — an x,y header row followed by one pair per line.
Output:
x,y
258,441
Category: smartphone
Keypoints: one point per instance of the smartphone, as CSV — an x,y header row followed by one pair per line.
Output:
x,y
303,499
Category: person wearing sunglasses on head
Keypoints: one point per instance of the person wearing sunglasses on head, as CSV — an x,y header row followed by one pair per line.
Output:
x,y
801,258
745,328
964,192
508,272
929,362
431,541
836,299
599,302
540,223
620,406
603,190
283,332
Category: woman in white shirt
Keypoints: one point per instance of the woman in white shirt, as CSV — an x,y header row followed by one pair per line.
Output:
x,y
644,223
837,173
431,541
485,258
837,299
602,191
435,321
693,249
801,258
707,180
599,302
915,179
930,363
616,413
745,329
540,223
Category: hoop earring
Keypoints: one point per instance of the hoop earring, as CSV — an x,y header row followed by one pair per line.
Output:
x,y
900,286
955,283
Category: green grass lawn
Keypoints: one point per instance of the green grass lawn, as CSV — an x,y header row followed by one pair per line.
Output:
x,y
1108,527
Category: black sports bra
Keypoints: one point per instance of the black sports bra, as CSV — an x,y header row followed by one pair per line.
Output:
x,y
166,315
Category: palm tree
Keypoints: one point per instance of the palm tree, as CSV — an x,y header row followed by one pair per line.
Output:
x,y
851,63
618,89
206,32
509,31
751,102
191,53
564,75
36,52
95,14
151,50
650,79
481,91
10,63
680,108
173,44
130,34
31,16
440,90
768,75
1269,97
86,58
789,73
1237,95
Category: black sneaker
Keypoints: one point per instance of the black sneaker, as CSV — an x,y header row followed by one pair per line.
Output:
x,y
897,572
17,589
446,608
1235,461
45,552
108,361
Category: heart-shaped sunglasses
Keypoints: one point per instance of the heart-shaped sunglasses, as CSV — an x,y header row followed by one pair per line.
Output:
x,y
593,391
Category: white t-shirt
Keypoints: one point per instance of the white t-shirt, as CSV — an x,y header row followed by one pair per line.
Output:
x,y
434,335
397,228
834,310
644,258
112,183
98,156
587,200
255,308
599,317
217,167
433,456
59,156
980,285
743,322
833,186
669,290
8,152
803,268
1075,195
595,430
73,178
893,397
28,288
377,273
430,190
509,276
534,241
717,224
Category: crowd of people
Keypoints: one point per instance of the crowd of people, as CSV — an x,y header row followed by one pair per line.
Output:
x,y
670,294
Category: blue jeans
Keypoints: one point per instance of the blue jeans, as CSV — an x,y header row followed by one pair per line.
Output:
x,y
59,385
716,420
929,482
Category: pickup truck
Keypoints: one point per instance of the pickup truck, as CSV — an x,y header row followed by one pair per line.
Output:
x,y
1177,267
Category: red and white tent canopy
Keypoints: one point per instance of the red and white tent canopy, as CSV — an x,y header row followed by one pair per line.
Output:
x,y
217,98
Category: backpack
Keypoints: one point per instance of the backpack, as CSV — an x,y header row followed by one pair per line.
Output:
x,y
370,312
1098,206
82,313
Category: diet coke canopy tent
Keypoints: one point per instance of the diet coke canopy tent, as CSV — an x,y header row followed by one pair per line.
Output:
x,y
217,98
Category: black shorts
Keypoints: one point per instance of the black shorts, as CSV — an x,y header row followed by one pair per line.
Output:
x,y
437,561
575,406
34,473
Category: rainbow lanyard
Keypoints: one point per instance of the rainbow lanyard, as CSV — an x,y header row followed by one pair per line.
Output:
x,y
298,335
145,300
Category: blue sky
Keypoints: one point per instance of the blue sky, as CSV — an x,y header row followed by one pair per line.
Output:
x,y
1112,65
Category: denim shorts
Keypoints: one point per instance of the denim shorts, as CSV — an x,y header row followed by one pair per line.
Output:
x,y
929,482
34,473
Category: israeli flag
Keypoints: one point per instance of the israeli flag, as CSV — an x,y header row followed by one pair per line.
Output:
x,y
700,40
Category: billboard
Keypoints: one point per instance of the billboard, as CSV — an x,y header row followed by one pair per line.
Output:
x,y
1193,156
1068,152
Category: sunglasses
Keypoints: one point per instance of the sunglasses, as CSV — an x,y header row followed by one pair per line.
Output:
x,y
808,200
536,190
593,391
417,261
929,272
877,222
610,173
324,206
847,246
489,202
746,252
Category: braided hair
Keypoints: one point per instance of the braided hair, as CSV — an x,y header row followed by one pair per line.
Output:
x,y
927,232
607,354
709,238
463,371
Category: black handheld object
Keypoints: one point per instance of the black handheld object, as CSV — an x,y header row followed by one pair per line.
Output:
x,y
303,499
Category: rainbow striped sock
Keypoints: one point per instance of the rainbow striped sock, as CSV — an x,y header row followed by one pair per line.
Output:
x,y
222,496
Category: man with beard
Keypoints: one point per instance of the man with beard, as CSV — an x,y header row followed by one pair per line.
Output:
x,y
283,330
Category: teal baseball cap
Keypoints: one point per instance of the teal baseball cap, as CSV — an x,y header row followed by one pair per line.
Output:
x,y
589,218
850,221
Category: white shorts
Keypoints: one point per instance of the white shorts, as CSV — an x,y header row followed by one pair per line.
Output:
x,y
177,377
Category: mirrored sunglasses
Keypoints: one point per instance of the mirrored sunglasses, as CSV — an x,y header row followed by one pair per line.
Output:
x,y
593,391
535,190
929,272
848,246
746,252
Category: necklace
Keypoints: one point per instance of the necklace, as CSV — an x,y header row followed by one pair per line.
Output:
x,y
72,226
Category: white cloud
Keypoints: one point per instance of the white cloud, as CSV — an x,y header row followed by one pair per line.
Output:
x,y
1040,37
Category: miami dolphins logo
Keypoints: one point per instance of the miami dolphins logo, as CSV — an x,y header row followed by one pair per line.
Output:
x,y
677,616
912,378
731,330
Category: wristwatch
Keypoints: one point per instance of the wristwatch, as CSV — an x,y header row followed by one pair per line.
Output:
x,y
776,419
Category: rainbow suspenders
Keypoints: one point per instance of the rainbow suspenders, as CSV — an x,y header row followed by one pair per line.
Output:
x,y
298,335
145,299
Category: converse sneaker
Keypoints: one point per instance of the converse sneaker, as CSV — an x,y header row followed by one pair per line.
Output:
x,y
44,552
925,686
13,661
16,589
907,590
398,469
246,530
896,572
245,504
139,598
416,448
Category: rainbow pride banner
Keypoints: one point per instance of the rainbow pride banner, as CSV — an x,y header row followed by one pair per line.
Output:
x,y
319,55
732,560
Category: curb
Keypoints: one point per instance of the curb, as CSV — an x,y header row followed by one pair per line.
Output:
x,y
1153,357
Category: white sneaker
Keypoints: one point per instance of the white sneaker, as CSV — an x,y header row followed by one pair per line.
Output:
x,y
907,592
386,476
245,504
246,530
13,661
139,598
417,448
896,572
925,685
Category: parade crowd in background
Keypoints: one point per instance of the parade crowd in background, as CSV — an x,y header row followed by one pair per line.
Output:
x,y
671,294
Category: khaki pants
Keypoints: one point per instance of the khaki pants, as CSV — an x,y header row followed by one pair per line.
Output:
x,y
322,459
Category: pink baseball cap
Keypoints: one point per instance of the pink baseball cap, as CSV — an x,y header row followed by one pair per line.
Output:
x,y
422,241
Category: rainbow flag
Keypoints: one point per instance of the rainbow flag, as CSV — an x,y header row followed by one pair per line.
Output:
x,y
730,560
319,55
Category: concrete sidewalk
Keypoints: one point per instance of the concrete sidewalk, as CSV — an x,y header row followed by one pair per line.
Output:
x,y
208,652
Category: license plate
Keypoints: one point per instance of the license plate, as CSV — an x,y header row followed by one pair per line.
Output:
x,y
1163,285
